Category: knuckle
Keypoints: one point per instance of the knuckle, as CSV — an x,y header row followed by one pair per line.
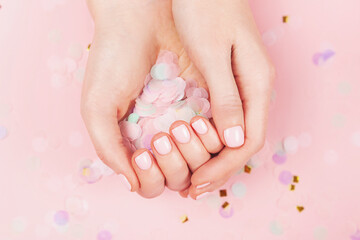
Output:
x,y
228,103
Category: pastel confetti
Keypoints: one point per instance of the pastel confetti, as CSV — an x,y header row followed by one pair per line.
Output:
x,y
227,211
285,177
3,132
290,144
165,98
279,157
61,218
320,233
276,228
321,57
104,235
238,189
356,235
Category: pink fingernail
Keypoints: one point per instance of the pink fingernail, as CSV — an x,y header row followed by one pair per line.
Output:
x,y
143,161
162,145
181,133
234,136
124,180
201,195
200,126
202,185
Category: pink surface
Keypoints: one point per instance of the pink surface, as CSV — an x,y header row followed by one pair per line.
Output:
x,y
315,108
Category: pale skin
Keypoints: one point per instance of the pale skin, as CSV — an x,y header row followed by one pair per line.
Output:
x,y
225,53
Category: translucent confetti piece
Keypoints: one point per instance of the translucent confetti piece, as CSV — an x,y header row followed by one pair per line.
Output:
x,y
276,228
290,144
227,211
75,51
279,157
104,169
75,205
19,224
163,123
321,57
238,189
130,130
320,233
300,208
185,114
355,138
3,132
104,235
184,218
133,118
89,172
222,192
160,71
61,218
285,177
356,235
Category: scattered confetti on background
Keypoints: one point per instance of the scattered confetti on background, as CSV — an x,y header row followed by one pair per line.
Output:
x,y
302,185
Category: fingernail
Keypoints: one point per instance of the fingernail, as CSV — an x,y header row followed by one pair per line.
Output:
x,y
234,136
181,133
162,145
200,126
201,195
124,180
202,185
143,161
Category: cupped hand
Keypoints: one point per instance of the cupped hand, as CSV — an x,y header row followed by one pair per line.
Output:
x,y
128,37
222,40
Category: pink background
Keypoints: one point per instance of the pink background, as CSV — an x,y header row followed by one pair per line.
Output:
x,y
316,105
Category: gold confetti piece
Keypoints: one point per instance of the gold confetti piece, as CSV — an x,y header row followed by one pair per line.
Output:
x,y
296,179
285,19
89,46
292,187
300,208
247,169
86,172
225,205
223,193
184,218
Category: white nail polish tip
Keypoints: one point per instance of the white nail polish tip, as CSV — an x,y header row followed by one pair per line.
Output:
x,y
124,180
201,195
202,185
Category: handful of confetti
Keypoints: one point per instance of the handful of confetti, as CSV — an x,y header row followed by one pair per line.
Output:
x,y
165,99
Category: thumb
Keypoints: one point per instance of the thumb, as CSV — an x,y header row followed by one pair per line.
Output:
x,y
226,104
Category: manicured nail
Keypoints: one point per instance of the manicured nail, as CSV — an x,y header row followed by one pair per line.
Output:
x,y
200,126
143,161
201,195
202,185
234,136
124,180
162,145
181,133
